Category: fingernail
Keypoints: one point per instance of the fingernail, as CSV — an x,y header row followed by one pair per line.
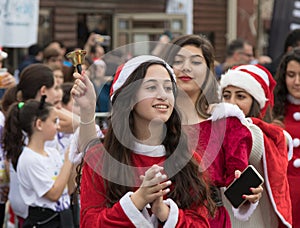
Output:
x,y
167,190
243,196
169,182
164,176
251,189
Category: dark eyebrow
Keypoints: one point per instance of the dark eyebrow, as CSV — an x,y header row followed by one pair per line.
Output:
x,y
154,80
192,56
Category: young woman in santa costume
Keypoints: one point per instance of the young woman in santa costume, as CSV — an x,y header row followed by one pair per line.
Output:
x,y
143,175
287,113
225,143
250,87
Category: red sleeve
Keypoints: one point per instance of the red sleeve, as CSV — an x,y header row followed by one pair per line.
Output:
x,y
237,147
94,212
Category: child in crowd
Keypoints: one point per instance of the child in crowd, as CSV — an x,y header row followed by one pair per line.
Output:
x,y
42,175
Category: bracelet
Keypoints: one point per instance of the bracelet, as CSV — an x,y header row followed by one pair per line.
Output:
x,y
86,123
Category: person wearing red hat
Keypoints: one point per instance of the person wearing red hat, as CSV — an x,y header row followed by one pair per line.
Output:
x,y
144,174
222,150
250,87
287,114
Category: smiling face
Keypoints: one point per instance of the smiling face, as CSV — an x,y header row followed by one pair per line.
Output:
x,y
155,98
292,78
239,97
190,69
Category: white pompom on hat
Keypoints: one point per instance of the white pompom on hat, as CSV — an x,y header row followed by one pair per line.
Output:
x,y
255,80
125,70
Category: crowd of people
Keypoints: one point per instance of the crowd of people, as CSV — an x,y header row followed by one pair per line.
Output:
x,y
181,129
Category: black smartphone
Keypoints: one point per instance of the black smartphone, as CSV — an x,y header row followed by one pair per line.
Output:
x,y
250,178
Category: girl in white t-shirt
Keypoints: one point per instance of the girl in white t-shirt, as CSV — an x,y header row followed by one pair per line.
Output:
x,y
42,174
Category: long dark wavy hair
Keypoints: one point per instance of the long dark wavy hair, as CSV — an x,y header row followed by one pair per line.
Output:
x,y
281,91
191,186
209,88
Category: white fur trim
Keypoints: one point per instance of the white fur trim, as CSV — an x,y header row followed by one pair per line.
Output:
x,y
244,212
245,81
256,70
136,217
148,150
131,65
173,215
224,110
268,187
290,143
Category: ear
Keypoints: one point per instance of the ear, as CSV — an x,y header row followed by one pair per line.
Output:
x,y
43,90
38,124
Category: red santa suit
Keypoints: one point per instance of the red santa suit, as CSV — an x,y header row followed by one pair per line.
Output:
x,y
95,213
292,126
225,146
269,152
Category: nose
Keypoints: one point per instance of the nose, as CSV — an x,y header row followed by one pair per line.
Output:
x,y
231,100
161,93
297,79
186,67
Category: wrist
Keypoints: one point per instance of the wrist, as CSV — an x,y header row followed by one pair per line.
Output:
x,y
87,119
138,201
163,213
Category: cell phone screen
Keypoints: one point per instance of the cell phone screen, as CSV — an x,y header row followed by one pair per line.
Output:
x,y
250,178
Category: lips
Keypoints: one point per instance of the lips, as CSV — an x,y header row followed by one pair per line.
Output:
x,y
185,78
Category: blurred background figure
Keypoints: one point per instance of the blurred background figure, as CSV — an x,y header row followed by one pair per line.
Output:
x,y
35,55
238,52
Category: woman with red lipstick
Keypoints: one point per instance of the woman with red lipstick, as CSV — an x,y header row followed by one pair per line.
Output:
x,y
224,144
143,175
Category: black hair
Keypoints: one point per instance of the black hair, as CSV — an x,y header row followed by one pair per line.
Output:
x,y
21,118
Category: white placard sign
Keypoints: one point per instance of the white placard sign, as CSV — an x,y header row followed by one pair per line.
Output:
x,y
18,22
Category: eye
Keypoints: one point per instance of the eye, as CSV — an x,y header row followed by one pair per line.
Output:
x,y
196,62
168,88
226,96
241,96
151,88
290,74
56,121
177,62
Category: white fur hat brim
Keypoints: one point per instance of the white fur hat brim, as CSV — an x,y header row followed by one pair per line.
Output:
x,y
131,65
245,81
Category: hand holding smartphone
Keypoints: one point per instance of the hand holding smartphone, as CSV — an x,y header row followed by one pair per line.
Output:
x,y
250,178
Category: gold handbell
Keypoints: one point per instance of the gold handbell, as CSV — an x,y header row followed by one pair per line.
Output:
x,y
77,58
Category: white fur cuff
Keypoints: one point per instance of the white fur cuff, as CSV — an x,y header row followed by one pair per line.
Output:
x,y
173,215
245,211
135,216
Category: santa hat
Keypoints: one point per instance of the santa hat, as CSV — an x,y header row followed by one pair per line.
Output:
x,y
255,80
125,70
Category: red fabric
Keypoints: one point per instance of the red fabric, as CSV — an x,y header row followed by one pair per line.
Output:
x,y
292,126
116,76
276,159
95,213
225,146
